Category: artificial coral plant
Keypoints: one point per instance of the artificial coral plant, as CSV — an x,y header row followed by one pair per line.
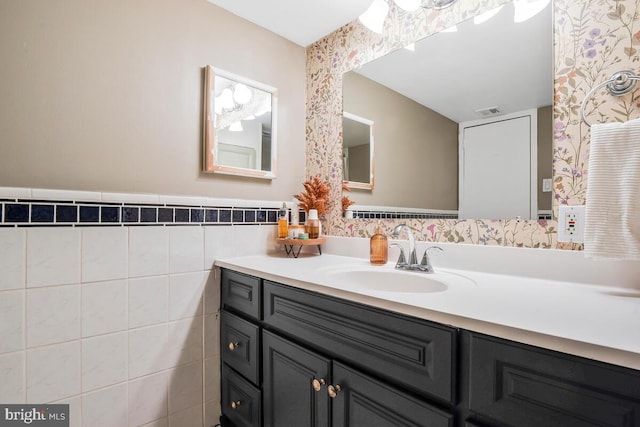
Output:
x,y
315,196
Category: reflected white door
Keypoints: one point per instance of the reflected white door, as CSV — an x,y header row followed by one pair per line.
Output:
x,y
498,167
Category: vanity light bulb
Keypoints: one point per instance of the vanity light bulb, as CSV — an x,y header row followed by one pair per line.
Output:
x,y
373,18
527,9
241,94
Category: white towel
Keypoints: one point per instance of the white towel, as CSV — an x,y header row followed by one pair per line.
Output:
x,y
612,213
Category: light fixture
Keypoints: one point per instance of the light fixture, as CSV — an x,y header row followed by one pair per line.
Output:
x,y
437,4
241,94
484,17
408,5
411,47
526,9
451,29
373,18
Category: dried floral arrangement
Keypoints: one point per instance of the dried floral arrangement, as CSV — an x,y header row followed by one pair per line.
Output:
x,y
346,201
315,196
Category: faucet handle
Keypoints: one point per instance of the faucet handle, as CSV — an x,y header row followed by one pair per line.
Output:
x,y
402,259
425,264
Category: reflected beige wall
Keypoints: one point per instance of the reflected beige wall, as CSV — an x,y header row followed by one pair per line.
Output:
x,y
545,154
107,96
407,137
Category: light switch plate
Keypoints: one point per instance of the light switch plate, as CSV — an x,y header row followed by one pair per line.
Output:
x,y
546,185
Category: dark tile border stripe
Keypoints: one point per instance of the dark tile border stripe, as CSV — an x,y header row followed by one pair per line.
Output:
x,y
44,213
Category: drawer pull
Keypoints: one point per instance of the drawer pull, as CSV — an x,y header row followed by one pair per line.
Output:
x,y
234,405
317,384
333,390
233,345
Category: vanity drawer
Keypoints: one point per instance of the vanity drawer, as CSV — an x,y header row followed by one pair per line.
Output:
x,y
526,386
240,345
241,292
241,401
416,353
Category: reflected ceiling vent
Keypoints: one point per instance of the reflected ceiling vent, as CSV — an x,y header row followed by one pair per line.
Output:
x,y
489,111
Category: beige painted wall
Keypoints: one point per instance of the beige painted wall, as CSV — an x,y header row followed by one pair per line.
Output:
x,y
107,96
545,154
407,137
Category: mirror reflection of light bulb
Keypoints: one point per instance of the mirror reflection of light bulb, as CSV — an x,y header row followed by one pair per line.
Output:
x,y
241,94
373,18
526,9
225,100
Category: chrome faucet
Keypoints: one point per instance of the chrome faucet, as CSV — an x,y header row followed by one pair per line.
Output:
x,y
412,262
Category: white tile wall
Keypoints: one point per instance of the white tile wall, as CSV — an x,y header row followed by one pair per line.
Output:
x,y
119,322
148,399
148,251
53,372
12,258
186,249
12,386
53,256
53,315
104,360
104,307
186,294
106,407
11,321
104,253
148,301
148,350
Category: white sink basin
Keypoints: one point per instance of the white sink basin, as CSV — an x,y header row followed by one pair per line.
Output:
x,y
385,279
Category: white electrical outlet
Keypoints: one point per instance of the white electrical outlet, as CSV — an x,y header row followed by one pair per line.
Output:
x,y
571,224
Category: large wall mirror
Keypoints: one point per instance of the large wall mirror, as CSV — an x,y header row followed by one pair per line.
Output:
x,y
422,97
240,117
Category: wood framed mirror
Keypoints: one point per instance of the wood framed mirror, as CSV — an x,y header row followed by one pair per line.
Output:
x,y
240,125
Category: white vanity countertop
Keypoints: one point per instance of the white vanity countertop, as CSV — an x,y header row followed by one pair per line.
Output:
x,y
592,321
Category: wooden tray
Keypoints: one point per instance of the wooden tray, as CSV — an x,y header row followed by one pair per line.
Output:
x,y
294,246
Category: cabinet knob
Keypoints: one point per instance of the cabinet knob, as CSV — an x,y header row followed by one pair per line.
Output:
x,y
234,405
317,384
333,390
233,345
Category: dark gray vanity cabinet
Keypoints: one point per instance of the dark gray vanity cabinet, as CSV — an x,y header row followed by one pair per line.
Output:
x,y
327,362
520,385
296,358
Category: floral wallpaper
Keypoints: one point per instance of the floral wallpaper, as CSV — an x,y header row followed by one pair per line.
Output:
x,y
592,40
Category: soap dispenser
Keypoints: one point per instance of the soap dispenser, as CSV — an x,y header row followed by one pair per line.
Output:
x,y
379,246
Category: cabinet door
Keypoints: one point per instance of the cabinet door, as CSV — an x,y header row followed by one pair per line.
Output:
x,y
527,386
289,396
364,401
